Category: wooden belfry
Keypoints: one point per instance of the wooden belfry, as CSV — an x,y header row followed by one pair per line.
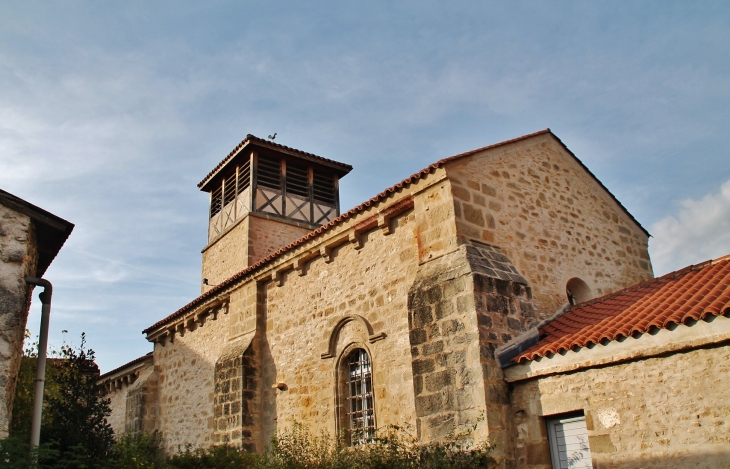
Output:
x,y
274,180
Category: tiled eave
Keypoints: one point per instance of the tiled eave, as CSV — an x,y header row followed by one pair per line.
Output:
x,y
684,338
686,296
124,375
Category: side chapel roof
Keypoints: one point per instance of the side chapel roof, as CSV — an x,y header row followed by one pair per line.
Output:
x,y
687,295
360,208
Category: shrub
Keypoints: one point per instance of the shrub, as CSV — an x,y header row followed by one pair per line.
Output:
x,y
76,415
15,454
139,451
216,457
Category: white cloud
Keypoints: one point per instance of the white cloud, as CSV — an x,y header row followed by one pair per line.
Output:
x,y
698,232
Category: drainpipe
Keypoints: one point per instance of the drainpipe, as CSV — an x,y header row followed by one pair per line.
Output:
x,y
40,377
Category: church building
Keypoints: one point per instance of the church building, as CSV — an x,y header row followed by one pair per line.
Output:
x,y
504,287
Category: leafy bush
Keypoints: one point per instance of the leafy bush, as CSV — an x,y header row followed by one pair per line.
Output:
x,y
75,417
297,448
15,453
216,457
139,451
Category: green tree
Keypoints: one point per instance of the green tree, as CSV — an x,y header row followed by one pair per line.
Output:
x,y
76,415
22,414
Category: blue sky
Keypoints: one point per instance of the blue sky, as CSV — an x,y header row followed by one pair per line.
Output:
x,y
111,113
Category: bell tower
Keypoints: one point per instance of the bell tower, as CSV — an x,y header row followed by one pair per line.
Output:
x,y
263,196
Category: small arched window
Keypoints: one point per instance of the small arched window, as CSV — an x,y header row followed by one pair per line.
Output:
x,y
358,405
578,291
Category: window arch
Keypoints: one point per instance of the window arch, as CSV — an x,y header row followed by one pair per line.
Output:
x,y
357,403
578,291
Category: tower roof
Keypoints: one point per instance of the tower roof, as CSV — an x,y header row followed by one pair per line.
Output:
x,y
340,169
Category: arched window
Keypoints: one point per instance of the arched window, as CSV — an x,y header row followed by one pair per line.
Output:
x,y
578,291
358,405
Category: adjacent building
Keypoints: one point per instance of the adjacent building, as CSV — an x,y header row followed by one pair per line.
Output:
x,y
30,238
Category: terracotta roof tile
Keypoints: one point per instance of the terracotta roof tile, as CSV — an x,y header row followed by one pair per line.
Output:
x,y
126,365
690,294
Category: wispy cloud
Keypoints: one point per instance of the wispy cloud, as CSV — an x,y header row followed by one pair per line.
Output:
x,y
698,231
109,116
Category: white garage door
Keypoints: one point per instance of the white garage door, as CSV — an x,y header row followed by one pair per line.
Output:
x,y
569,443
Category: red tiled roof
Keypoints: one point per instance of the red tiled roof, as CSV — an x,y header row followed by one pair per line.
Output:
x,y
354,211
126,365
690,294
344,168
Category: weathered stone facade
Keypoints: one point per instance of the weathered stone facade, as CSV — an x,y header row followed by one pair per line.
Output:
x,y
18,258
29,239
429,278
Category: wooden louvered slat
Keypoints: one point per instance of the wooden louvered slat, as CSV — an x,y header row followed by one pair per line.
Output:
x,y
269,173
216,201
244,177
324,188
229,190
297,180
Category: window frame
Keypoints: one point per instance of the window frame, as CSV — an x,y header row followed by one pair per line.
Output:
x,y
342,394
551,422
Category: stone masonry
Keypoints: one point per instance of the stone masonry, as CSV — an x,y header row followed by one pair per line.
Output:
x,y
461,308
429,278
661,412
18,258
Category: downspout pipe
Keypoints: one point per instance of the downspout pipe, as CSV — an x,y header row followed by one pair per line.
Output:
x,y
40,376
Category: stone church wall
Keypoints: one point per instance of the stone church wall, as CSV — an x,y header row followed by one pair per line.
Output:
x,y
670,411
186,372
18,258
550,217
371,282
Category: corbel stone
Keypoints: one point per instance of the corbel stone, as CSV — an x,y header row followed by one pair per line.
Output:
x,y
326,253
384,224
356,239
190,323
355,235
200,318
385,217
162,338
279,274
301,262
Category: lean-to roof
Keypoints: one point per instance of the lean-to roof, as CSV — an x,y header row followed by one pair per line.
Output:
x,y
689,294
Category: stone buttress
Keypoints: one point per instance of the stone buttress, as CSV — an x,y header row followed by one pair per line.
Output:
x,y
462,306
